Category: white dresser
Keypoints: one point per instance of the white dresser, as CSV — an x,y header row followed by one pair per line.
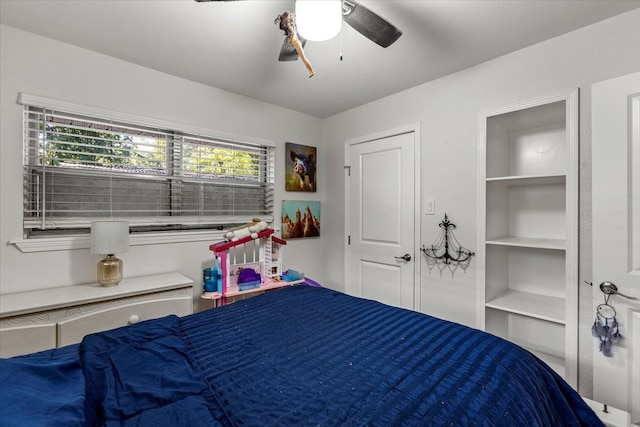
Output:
x,y
39,320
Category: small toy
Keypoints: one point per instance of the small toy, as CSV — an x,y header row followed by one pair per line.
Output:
x,y
250,229
292,275
212,278
248,278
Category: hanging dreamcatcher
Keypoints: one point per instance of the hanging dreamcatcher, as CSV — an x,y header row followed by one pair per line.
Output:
x,y
605,327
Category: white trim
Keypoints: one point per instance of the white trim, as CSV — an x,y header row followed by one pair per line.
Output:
x,y
55,104
65,243
481,294
418,218
633,359
571,242
634,188
567,95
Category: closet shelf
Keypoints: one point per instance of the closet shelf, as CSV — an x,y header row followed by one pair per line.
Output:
x,y
529,179
551,309
529,242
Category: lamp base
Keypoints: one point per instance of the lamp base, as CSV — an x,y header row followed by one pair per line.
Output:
x,y
109,271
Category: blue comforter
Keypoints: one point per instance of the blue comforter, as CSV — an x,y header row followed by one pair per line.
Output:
x,y
311,356
42,389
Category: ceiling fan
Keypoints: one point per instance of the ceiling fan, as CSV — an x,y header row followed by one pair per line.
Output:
x,y
362,19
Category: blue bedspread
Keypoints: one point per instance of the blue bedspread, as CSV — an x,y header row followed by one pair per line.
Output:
x,y
304,356
42,389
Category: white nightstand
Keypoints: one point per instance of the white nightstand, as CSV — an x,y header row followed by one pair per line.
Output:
x,y
39,320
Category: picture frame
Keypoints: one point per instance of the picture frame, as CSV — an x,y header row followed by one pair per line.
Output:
x,y
300,219
300,167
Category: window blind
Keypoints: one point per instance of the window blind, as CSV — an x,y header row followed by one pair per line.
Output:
x,y
78,168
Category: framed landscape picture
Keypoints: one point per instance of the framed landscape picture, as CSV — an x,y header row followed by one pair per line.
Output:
x,y
300,219
300,169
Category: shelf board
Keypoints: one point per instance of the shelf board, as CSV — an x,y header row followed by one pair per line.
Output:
x,y
529,242
551,309
529,179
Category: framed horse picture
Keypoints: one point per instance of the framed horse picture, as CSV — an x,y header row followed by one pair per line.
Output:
x,y
300,219
300,167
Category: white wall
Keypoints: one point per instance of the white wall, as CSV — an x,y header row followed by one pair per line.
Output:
x,y
447,110
45,67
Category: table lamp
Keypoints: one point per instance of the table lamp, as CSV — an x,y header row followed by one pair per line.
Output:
x,y
109,238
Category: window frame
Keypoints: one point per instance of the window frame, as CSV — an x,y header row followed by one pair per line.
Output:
x,y
71,240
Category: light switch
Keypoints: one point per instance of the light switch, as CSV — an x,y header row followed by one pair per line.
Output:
x,y
429,207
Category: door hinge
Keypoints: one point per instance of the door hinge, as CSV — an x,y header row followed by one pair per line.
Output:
x,y
348,168
348,240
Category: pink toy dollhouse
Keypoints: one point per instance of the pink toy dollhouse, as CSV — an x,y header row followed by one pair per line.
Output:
x,y
250,265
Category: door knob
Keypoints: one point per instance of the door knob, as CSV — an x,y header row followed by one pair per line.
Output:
x,y
405,257
611,288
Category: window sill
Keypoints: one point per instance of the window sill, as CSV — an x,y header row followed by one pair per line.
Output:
x,y
47,244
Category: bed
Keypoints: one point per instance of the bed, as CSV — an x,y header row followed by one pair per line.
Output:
x,y
298,356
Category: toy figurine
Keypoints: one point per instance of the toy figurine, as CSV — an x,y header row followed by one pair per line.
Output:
x,y
287,23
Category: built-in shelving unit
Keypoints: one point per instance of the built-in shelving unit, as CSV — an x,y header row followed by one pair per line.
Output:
x,y
528,227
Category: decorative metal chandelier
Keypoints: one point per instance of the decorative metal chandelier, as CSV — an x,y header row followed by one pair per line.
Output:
x,y
447,252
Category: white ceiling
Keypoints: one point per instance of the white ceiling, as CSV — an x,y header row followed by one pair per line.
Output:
x,y
234,45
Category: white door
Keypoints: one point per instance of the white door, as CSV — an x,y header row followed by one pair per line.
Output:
x,y
616,234
381,200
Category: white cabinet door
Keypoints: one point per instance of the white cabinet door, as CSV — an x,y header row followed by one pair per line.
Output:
x,y
616,233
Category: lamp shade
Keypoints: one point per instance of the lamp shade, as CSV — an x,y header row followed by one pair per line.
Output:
x,y
319,20
109,237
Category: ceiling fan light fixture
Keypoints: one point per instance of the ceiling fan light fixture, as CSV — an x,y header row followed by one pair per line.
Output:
x,y
319,20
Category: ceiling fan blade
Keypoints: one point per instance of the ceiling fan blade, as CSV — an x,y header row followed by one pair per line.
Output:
x,y
288,51
369,24
205,1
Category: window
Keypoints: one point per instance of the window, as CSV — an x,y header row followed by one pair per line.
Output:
x,y
79,167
